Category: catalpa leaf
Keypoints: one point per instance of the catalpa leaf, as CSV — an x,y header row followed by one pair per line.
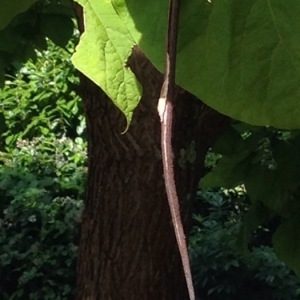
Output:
x,y
274,185
240,57
51,25
286,241
229,172
11,8
102,54
256,216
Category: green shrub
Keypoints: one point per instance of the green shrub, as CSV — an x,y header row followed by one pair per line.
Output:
x,y
221,272
42,185
42,177
41,100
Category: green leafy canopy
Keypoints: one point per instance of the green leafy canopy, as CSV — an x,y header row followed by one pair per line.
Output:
x,y
25,27
267,163
239,57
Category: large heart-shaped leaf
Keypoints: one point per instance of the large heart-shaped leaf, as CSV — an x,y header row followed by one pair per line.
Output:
x,y
240,57
102,53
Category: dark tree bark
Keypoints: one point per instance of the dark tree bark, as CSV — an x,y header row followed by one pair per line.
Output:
x,y
128,248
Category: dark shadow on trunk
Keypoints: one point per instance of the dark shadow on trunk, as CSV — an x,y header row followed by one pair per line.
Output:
x,y
128,248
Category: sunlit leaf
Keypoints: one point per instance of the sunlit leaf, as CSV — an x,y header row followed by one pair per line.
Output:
x,y
102,54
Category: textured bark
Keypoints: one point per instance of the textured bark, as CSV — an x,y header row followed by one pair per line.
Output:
x,y
128,248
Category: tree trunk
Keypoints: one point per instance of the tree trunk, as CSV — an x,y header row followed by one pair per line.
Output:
x,y
128,248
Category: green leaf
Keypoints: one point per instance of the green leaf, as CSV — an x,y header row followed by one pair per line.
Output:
x,y
102,53
256,216
286,242
229,143
150,38
2,64
11,8
58,28
237,155
229,172
240,57
273,187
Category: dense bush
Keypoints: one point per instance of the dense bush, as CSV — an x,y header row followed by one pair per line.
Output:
x,y
221,272
42,185
42,178
41,100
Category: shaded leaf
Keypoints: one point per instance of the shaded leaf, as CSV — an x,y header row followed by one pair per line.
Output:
x,y
11,8
239,57
229,172
58,28
256,216
286,241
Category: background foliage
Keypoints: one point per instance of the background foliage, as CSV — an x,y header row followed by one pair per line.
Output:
x,y
43,158
23,31
42,190
266,161
221,271
54,108
42,178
